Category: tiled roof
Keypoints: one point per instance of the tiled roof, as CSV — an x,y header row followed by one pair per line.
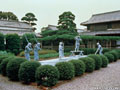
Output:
x,y
14,24
103,17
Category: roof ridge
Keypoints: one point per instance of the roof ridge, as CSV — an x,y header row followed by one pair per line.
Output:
x,y
106,13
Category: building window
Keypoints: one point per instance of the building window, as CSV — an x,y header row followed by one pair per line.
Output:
x,y
109,26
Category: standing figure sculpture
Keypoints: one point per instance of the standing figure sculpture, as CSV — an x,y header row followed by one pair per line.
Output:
x,y
99,49
28,48
36,49
61,50
77,43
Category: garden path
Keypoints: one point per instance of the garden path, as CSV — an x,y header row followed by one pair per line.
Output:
x,y
103,79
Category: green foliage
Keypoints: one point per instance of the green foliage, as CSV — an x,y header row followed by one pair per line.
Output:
x,y
29,36
47,75
89,63
13,43
30,19
109,56
88,50
105,60
118,51
98,61
3,57
13,68
8,16
2,45
79,67
66,69
4,63
27,71
66,22
115,54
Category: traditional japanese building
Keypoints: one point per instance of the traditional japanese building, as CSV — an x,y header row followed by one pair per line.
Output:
x,y
104,24
10,27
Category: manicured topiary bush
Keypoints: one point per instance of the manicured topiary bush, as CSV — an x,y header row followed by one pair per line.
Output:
x,y
66,69
105,60
89,63
47,75
4,63
13,68
115,54
27,71
118,51
98,61
110,57
79,67
3,57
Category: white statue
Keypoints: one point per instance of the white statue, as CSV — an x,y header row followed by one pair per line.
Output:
x,y
36,49
77,43
99,49
28,48
61,50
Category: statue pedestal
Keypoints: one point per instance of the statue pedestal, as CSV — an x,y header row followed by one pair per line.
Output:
x,y
73,53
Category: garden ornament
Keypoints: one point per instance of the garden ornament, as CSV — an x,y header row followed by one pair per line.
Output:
x,y
61,50
28,48
99,49
36,49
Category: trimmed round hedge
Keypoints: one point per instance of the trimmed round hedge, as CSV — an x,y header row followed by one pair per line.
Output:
x,y
110,57
79,67
3,57
105,60
47,75
27,71
98,61
66,70
4,63
118,51
89,63
13,68
115,54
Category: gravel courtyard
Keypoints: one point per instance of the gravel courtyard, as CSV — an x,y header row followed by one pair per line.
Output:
x,y
103,79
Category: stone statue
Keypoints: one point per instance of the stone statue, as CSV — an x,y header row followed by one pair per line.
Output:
x,y
77,43
28,48
61,50
36,49
99,49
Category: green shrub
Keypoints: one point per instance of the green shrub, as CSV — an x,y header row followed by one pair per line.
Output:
x,y
115,54
13,43
13,68
4,63
105,60
66,69
79,67
47,75
2,45
27,71
3,57
118,51
98,61
88,50
89,63
106,50
110,57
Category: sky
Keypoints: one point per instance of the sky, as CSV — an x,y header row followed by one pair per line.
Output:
x,y
47,11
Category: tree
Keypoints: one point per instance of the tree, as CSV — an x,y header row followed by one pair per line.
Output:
x,y
8,16
66,22
29,18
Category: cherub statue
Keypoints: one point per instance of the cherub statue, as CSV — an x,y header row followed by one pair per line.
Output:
x,y
99,49
28,48
77,43
61,50
36,49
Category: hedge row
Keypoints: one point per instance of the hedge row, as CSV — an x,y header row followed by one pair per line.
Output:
x,y
16,68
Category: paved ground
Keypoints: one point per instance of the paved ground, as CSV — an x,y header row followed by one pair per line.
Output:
x,y
5,84
103,79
